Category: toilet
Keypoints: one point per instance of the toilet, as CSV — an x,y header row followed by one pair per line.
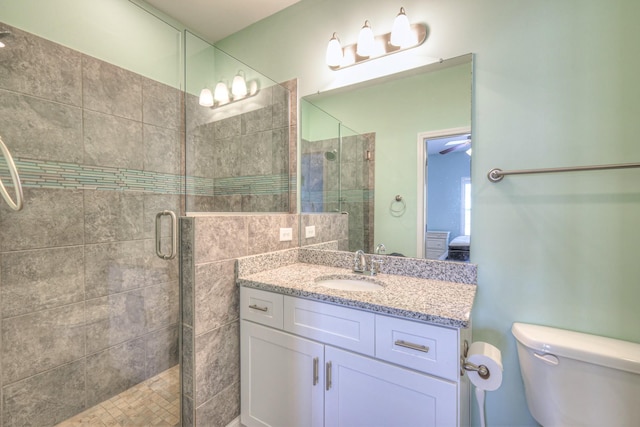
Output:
x,y
575,379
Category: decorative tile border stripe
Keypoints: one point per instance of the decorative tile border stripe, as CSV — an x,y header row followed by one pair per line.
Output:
x,y
244,185
349,196
60,175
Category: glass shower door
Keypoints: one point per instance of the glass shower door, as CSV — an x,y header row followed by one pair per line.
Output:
x,y
87,308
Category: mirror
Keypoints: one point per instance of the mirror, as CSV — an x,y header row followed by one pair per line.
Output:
x,y
364,152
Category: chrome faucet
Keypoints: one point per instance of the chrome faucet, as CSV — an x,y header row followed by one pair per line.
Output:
x,y
376,262
359,262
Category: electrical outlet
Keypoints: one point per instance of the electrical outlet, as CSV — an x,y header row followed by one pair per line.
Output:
x,y
286,234
310,231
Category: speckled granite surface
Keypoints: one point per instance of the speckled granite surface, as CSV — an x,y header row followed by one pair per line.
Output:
x,y
440,302
448,271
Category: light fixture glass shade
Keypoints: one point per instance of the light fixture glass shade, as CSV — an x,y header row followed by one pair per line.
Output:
x,y
239,87
253,87
401,32
221,93
334,52
365,41
206,98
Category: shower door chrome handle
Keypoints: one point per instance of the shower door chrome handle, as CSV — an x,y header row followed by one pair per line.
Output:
x,y
174,236
13,171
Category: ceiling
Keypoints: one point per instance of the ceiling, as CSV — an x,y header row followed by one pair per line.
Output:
x,y
217,19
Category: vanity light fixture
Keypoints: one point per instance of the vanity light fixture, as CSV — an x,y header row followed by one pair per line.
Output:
x,y
239,86
401,32
223,95
206,98
334,52
366,41
403,36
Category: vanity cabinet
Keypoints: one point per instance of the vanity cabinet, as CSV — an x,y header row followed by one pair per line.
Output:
x,y
282,378
321,364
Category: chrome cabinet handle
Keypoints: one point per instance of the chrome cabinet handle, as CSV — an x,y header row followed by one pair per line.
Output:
x,y
15,178
412,346
316,368
174,235
327,376
257,307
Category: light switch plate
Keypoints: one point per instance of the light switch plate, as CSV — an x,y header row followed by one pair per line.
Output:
x,y
310,231
286,234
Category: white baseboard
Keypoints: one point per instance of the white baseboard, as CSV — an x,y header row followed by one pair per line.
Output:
x,y
235,423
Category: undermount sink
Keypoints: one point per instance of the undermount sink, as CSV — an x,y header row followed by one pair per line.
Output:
x,y
348,284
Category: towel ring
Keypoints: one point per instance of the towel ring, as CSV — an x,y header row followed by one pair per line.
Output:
x,y
403,206
15,178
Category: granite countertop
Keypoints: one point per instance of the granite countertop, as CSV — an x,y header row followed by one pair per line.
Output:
x,y
433,301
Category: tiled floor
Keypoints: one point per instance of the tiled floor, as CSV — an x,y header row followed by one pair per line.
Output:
x,y
154,402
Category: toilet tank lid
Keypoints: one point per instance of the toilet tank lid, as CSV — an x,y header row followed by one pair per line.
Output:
x,y
609,352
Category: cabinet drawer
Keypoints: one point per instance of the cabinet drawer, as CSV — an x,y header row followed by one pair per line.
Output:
x,y
436,244
343,327
426,348
261,307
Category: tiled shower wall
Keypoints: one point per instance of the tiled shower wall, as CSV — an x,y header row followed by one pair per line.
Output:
x,y
238,155
210,301
353,193
86,309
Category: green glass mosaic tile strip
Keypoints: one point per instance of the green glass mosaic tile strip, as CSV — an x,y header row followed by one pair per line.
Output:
x,y
46,174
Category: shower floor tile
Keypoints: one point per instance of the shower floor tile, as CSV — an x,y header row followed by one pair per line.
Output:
x,y
154,402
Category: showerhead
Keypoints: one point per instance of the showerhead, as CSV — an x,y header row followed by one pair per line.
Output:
x,y
331,155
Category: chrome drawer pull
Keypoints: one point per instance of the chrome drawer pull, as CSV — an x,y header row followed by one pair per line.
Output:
x,y
316,362
256,307
327,376
412,346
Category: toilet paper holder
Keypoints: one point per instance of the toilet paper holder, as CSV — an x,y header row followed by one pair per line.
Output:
x,y
482,370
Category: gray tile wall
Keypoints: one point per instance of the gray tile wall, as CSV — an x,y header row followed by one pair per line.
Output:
x,y
352,193
86,308
243,160
330,227
210,316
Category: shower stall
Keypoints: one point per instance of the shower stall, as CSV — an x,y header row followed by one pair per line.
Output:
x,y
87,309
95,325
337,168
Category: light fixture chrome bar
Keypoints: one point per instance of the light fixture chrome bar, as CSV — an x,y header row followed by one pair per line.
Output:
x,y
496,175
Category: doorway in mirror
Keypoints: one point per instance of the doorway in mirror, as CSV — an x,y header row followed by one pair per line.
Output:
x,y
444,199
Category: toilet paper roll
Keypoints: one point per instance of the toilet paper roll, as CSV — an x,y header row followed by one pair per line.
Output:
x,y
482,353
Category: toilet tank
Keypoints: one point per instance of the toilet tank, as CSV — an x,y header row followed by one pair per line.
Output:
x,y
576,379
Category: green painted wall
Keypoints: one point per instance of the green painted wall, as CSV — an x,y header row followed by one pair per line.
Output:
x,y
397,111
116,31
556,84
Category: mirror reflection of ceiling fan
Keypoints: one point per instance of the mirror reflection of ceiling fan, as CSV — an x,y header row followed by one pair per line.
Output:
x,y
462,144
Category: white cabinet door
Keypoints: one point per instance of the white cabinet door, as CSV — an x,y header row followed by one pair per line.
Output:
x,y
282,379
365,392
